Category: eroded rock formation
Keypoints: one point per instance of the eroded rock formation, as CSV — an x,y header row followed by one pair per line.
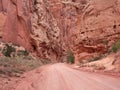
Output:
x,y
15,22
88,27
46,33
51,27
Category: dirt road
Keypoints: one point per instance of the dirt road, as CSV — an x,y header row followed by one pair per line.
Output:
x,y
61,77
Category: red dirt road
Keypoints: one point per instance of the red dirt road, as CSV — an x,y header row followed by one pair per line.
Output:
x,y
61,77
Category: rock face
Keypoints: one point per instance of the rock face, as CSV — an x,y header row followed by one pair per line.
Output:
x,y
45,32
51,27
15,22
88,27
30,23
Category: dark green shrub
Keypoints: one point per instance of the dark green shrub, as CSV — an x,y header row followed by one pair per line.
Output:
x,y
70,57
23,52
115,46
7,50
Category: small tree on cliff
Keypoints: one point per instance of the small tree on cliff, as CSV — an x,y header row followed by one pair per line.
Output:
x,y
7,50
70,56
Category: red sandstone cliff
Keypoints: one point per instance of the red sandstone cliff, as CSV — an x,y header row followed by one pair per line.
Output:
x,y
50,27
88,27
15,22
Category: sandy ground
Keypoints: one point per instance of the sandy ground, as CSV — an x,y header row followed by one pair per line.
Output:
x,y
62,77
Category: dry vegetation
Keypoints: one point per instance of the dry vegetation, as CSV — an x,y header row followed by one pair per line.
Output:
x,y
14,62
18,65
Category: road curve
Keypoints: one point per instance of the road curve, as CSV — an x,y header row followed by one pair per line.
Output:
x,y
61,77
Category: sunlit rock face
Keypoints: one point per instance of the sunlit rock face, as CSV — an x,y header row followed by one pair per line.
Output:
x,y
31,24
51,27
15,22
88,27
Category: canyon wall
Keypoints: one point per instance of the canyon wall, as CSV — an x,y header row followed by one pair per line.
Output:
x,y
15,23
30,24
88,27
45,32
51,27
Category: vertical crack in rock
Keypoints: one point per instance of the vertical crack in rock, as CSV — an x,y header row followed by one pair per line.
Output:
x,y
46,33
